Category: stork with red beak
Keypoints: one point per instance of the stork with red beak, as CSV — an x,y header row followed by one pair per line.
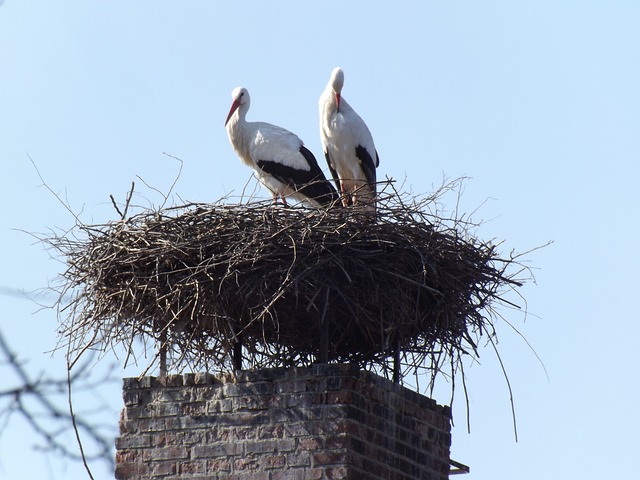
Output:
x,y
348,146
278,157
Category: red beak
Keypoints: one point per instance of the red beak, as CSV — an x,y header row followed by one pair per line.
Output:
x,y
234,107
338,102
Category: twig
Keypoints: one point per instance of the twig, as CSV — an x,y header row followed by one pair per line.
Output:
x,y
75,424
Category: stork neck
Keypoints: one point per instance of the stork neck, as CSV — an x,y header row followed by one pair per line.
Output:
x,y
239,130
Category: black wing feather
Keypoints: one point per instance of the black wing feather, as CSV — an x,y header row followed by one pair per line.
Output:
x,y
334,172
312,183
368,166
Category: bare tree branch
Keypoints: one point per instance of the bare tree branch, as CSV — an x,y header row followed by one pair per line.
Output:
x,y
34,399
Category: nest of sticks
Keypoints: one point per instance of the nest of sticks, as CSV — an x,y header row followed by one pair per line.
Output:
x,y
293,285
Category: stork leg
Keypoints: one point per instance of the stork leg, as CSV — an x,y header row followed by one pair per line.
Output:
x,y
343,195
275,199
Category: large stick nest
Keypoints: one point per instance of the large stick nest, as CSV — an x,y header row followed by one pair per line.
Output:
x,y
199,277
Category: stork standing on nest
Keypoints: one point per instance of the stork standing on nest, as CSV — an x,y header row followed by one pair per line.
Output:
x,y
348,146
279,158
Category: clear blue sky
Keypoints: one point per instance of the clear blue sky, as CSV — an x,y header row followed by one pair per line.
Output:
x,y
538,102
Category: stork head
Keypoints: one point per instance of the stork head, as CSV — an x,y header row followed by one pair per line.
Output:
x,y
337,81
240,96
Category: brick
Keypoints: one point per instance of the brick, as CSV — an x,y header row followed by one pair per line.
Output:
x,y
131,398
131,472
330,425
190,468
314,473
333,442
133,441
289,415
138,412
147,382
170,380
163,468
252,402
334,369
167,409
292,386
223,405
188,379
186,422
246,476
298,429
292,474
171,424
194,408
152,425
218,434
166,453
269,462
323,422
166,439
340,396
129,384
205,393
197,437
174,395
299,400
244,418
128,456
204,378
219,450
260,446
328,457
246,463
258,388
299,459
310,443
245,433
271,431
218,465
337,473
128,427
195,477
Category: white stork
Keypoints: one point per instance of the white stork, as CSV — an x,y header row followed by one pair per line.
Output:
x,y
280,160
348,146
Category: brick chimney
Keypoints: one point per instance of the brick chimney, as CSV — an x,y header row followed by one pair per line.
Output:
x,y
323,422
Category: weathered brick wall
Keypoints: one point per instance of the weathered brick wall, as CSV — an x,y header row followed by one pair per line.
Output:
x,y
323,422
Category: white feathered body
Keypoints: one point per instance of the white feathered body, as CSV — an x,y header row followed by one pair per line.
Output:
x,y
277,156
348,146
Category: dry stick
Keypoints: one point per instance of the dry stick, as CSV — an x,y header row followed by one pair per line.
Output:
x,y
115,205
237,353
73,421
65,205
163,353
466,396
506,377
128,200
